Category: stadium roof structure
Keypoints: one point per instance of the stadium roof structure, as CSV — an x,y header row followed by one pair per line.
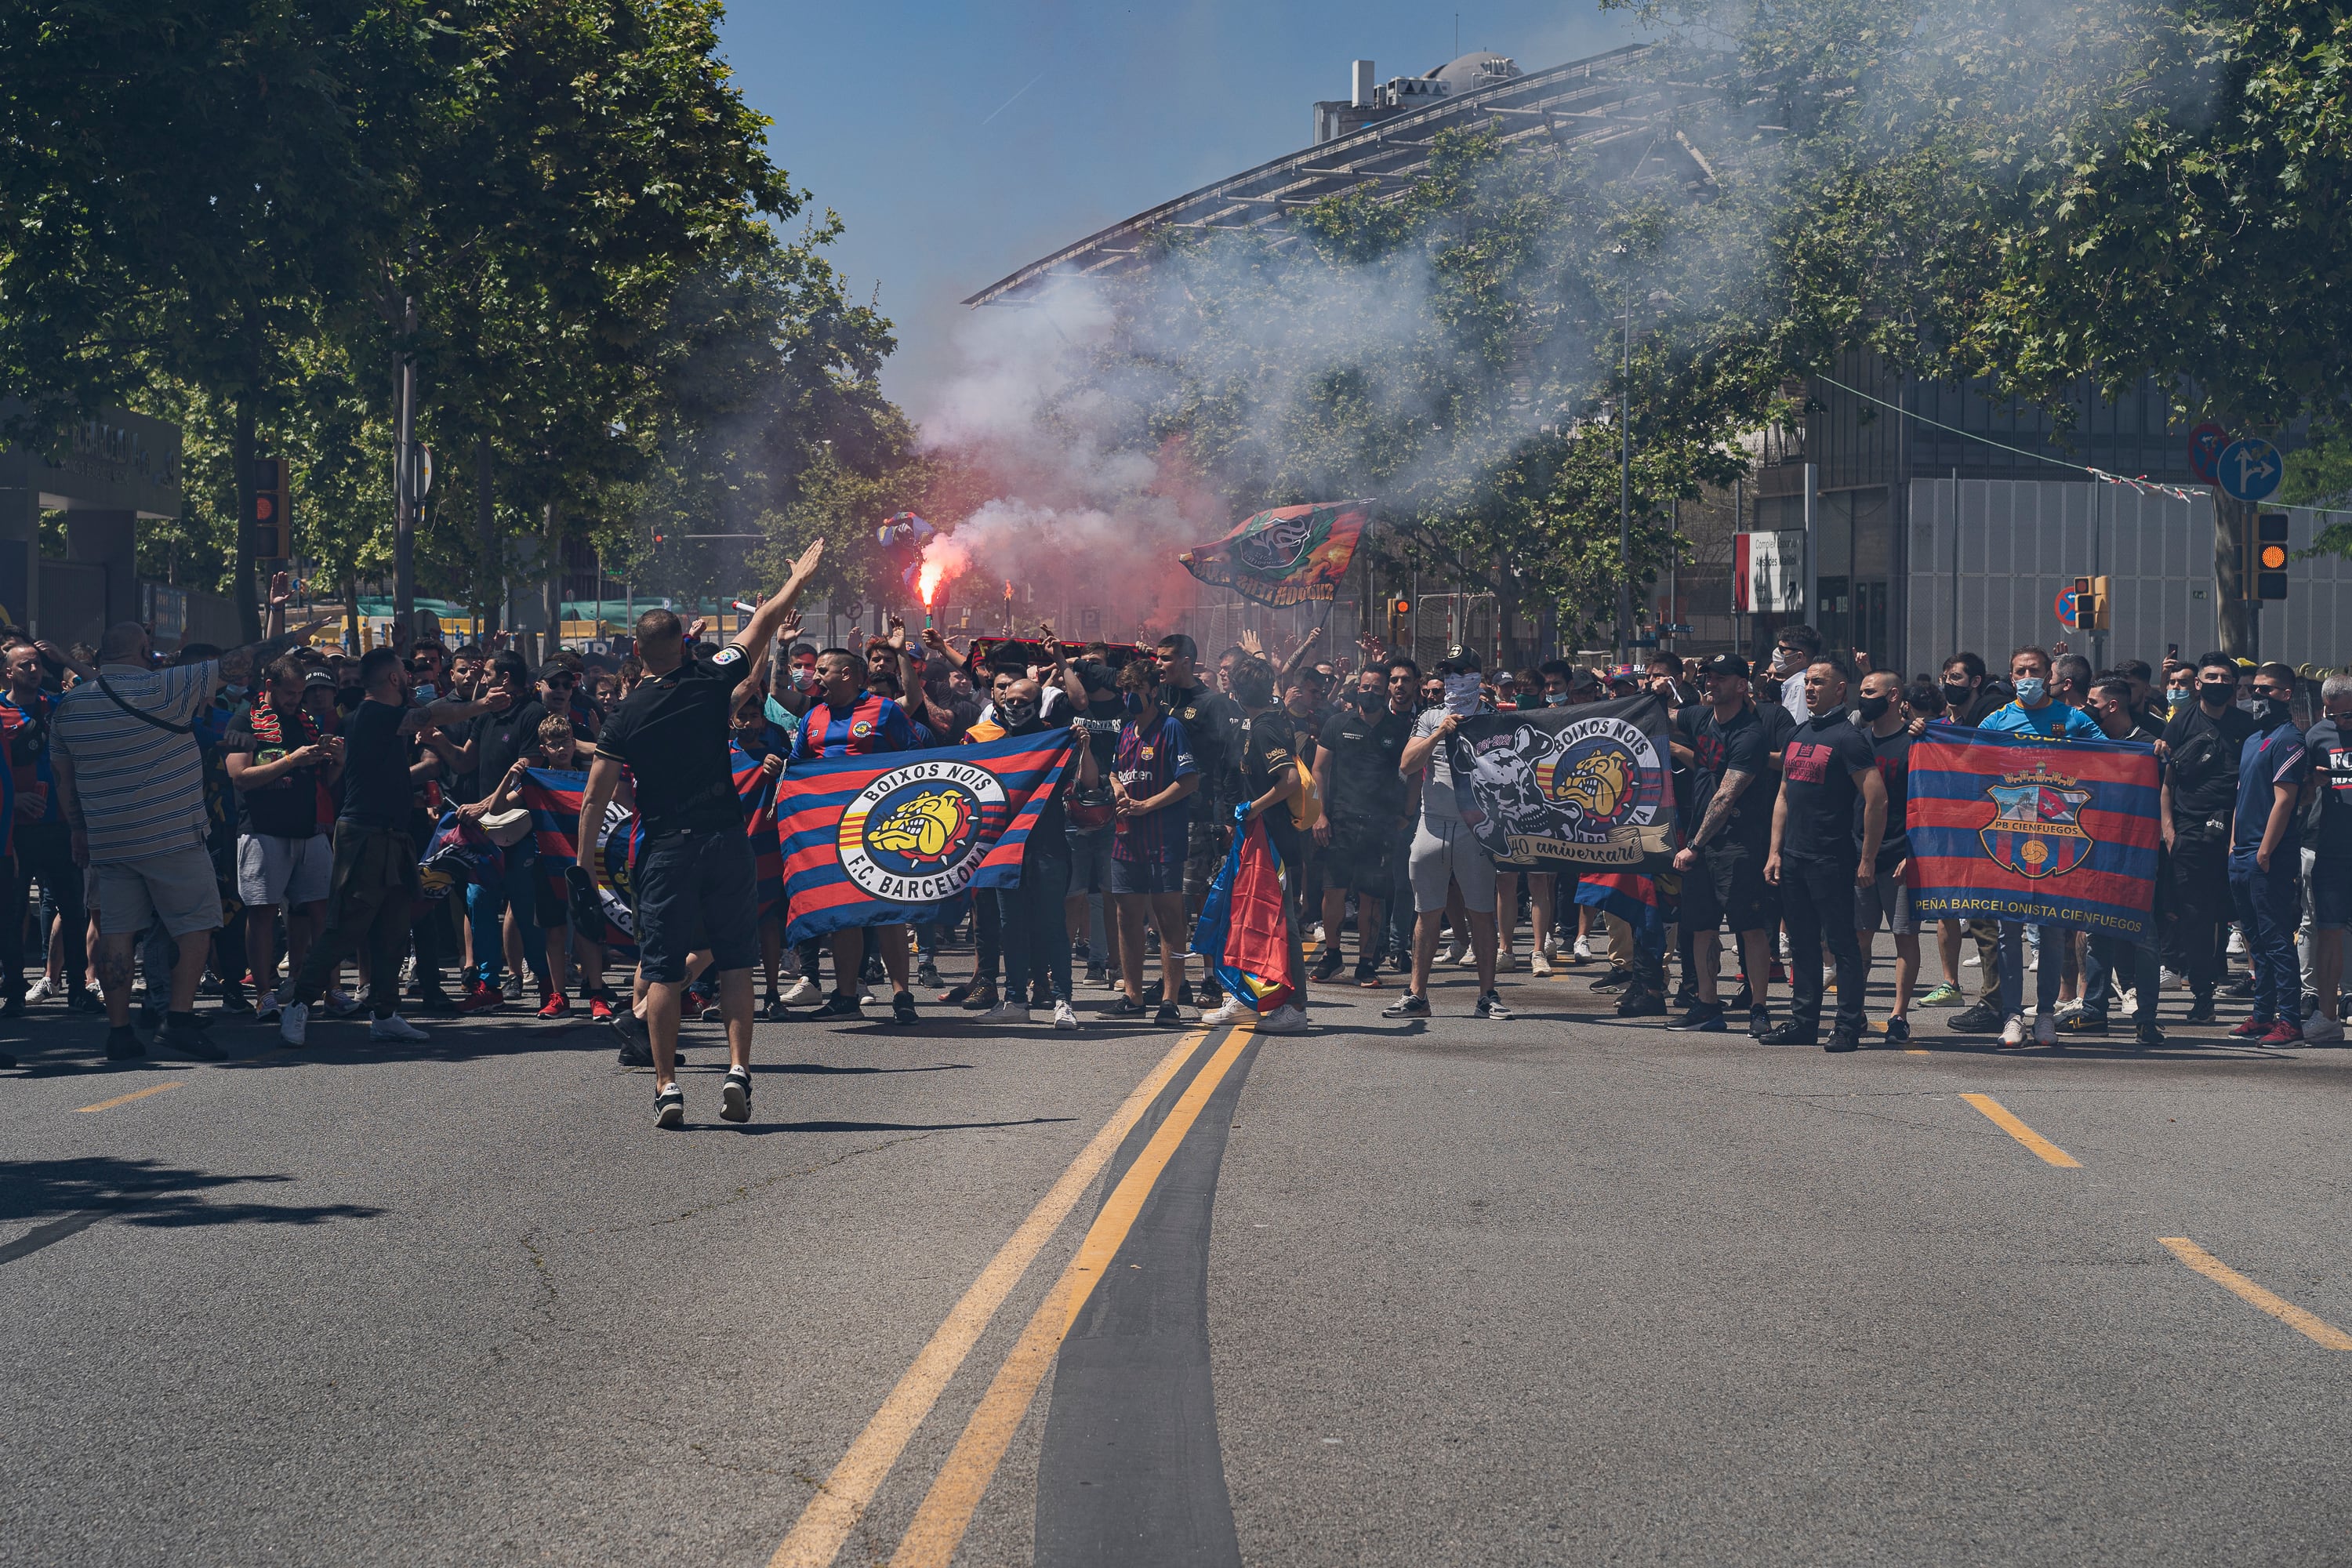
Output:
x,y
1612,103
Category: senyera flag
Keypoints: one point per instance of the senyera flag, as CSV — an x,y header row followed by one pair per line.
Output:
x,y
1241,930
554,796
887,839
2018,827
1287,556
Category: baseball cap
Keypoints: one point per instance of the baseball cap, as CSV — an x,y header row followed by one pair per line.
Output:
x,y
1583,680
1724,664
318,678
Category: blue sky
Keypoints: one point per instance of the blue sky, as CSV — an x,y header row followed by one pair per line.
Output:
x,y
959,142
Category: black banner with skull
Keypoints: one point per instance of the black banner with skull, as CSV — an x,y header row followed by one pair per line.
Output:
x,y
1569,788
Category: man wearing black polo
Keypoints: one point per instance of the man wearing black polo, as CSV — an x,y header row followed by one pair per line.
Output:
x,y
1364,799
695,883
2203,744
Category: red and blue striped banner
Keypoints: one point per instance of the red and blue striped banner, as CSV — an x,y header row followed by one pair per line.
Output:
x,y
2022,827
554,796
756,788
886,839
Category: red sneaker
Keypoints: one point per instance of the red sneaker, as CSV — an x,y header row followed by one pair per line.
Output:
x,y
2286,1032
2253,1029
556,1005
480,998
600,1008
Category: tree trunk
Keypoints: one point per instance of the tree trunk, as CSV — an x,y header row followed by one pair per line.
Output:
x,y
2238,619
249,600
485,519
552,588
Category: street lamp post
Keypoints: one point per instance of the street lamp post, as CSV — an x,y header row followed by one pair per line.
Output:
x,y
1625,491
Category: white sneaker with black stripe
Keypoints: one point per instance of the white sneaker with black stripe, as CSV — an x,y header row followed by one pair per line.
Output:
x,y
735,1095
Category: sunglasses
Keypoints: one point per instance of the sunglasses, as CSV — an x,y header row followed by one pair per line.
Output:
x,y
560,680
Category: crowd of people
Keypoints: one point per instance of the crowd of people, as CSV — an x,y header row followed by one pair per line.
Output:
x,y
247,823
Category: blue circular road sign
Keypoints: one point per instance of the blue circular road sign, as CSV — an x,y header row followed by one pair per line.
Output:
x,y
2249,470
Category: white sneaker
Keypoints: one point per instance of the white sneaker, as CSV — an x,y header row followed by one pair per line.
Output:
x,y
1006,1013
2068,1009
2171,980
342,1004
2321,1030
1318,932
40,990
1232,1010
1065,1016
395,1027
803,993
1539,963
2045,1029
1551,945
1505,961
1455,954
2237,943
294,1024
2014,1032
2129,1002
1287,1019
1582,949
1970,962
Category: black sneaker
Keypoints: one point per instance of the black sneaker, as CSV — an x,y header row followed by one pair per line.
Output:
x,y
150,1017
735,1095
774,1010
870,972
1898,1032
2148,1035
189,1041
1615,980
1743,1002
839,1005
928,974
1326,968
1759,1022
85,1001
1125,1007
902,1006
2202,1011
14,1007
1843,1040
669,1108
1639,1002
233,1004
2083,1024
435,1003
124,1044
1703,1018
1368,976
1151,992
1984,1018
1790,1034
1492,1006
636,1046
2240,988
1168,1014
1409,1005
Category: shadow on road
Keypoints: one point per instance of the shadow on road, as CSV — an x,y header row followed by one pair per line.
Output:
x,y
883,1126
69,1195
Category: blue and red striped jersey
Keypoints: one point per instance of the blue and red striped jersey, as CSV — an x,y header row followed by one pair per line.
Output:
x,y
873,724
1152,753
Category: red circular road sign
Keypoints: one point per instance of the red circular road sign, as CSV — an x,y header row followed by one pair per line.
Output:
x,y
2205,446
2064,607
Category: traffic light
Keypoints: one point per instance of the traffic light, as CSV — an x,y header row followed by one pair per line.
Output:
x,y
268,521
2269,578
2091,606
1400,607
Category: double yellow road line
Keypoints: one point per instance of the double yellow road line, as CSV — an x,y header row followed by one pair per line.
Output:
x,y
947,1508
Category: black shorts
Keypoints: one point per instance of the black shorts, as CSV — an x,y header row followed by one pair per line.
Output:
x,y
552,903
1206,852
1361,856
696,889
1145,876
1727,884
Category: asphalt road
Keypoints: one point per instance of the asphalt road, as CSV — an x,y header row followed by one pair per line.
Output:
x,y
1556,1290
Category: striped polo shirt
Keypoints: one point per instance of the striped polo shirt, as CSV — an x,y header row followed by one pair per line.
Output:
x,y
142,789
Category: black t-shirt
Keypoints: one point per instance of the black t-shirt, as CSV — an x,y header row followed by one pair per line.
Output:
x,y
2201,755
1269,752
1100,727
500,737
1739,746
1894,754
1778,725
2331,776
286,806
672,735
1817,772
1213,724
376,791
1365,751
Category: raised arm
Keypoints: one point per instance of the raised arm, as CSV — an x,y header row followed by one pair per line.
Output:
x,y
770,616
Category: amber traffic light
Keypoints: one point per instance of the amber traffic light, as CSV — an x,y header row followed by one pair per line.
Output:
x,y
2265,555
269,517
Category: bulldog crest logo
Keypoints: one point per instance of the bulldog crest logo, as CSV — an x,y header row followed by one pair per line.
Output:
x,y
914,834
2036,829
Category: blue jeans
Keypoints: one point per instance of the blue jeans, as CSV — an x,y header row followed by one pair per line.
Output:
x,y
517,890
1031,922
2047,978
2102,956
2269,904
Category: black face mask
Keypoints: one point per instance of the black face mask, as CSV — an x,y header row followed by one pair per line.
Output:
x,y
1872,709
1017,713
2215,694
2271,711
1958,694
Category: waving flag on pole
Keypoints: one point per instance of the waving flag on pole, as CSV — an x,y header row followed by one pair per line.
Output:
x,y
2018,827
1241,930
889,838
1287,556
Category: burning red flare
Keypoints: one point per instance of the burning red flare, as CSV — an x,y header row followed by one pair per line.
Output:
x,y
928,584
